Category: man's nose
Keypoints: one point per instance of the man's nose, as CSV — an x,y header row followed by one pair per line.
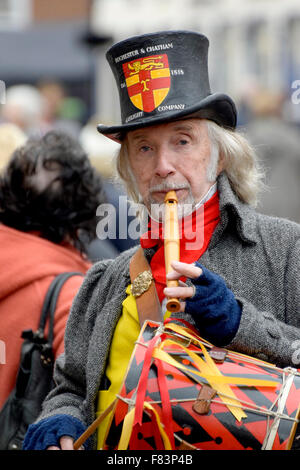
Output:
x,y
164,164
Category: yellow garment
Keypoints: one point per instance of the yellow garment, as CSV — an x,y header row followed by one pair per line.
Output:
x,y
120,353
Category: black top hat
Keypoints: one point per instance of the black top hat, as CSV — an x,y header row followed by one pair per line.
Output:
x,y
163,77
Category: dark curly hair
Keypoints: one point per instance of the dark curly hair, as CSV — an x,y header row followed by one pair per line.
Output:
x,y
62,206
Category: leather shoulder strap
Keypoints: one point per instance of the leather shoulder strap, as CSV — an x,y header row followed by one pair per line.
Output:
x,y
49,306
148,305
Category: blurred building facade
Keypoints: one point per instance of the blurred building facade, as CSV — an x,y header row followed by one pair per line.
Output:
x,y
43,40
252,42
253,55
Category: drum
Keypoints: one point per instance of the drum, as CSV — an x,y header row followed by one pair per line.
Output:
x,y
182,393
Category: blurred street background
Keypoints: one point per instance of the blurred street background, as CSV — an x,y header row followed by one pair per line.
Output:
x,y
52,61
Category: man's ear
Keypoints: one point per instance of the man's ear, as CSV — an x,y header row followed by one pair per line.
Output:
x,y
221,164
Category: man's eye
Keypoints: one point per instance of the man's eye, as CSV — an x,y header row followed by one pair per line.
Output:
x,y
144,148
183,141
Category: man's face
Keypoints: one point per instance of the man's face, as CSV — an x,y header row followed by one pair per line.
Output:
x,y
171,156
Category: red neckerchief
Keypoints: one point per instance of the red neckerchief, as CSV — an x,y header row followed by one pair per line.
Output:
x,y
193,243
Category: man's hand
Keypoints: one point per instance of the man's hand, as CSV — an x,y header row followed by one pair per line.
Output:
x,y
183,291
57,432
66,443
211,303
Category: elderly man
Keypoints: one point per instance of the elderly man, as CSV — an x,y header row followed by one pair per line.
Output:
x,y
241,276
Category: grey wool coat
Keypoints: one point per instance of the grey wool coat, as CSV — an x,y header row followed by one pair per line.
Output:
x,y
259,258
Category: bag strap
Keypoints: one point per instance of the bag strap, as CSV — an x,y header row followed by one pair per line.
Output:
x,y
49,306
147,301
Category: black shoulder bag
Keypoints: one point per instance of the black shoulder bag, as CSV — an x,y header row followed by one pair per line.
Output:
x,y
34,378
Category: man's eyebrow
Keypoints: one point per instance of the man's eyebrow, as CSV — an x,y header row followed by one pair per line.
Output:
x,y
183,127
138,137
178,127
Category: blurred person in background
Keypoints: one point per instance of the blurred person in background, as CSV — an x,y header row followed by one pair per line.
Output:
x,y
11,137
103,153
49,193
60,111
277,143
23,108
39,109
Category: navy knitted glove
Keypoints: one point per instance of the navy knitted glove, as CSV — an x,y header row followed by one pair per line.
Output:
x,y
48,431
214,308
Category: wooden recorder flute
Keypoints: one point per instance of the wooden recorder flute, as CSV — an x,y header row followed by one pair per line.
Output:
x,y
171,243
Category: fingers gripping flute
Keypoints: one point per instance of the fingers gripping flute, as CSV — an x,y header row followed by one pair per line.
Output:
x,y
171,243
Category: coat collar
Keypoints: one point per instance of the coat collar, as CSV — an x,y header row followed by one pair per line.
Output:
x,y
235,215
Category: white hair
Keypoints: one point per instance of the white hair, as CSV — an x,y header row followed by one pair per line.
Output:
x,y
240,162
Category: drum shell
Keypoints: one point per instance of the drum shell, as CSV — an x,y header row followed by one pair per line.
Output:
x,y
218,429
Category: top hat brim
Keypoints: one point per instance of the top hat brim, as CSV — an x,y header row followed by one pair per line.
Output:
x,y
217,107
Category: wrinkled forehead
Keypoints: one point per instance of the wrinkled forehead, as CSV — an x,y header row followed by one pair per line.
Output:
x,y
192,125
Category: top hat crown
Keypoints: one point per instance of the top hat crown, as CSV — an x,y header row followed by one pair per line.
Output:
x,y
163,77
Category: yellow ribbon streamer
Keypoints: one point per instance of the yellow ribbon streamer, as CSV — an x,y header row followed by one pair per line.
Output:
x,y
210,372
128,425
162,355
163,434
223,388
126,430
184,331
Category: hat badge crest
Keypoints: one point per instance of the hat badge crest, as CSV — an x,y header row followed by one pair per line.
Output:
x,y
148,81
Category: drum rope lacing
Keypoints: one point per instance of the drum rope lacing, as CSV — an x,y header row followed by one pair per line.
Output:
x,y
248,406
287,382
288,371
